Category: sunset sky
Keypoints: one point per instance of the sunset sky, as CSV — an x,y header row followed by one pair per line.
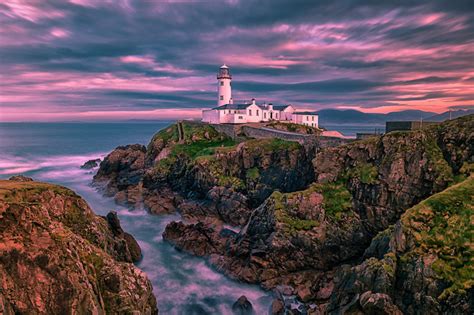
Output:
x,y
96,60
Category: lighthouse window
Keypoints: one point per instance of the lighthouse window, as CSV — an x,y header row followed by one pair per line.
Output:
x,y
222,83
222,97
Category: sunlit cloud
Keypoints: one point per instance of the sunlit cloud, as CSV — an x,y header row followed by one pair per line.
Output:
x,y
88,59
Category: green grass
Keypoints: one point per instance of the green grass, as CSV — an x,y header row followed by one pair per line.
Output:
x,y
201,147
366,172
337,200
442,225
444,171
252,174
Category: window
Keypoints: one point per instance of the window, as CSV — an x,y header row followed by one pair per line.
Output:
x,y
222,97
312,118
240,117
264,115
257,112
222,83
307,117
276,115
250,112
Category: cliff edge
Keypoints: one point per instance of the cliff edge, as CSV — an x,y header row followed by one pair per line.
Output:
x,y
58,257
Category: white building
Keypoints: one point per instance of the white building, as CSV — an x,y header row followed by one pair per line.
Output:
x,y
227,112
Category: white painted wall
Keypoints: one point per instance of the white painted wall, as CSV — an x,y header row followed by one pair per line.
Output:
x,y
211,116
287,113
224,91
305,119
254,113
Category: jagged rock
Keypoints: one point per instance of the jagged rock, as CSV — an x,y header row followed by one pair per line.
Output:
x,y
132,248
90,164
378,303
58,257
227,184
21,178
361,189
242,306
278,307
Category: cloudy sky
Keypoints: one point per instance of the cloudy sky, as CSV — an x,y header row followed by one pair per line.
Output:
x,y
87,59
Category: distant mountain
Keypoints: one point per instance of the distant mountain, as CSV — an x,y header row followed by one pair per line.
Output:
x,y
351,116
454,114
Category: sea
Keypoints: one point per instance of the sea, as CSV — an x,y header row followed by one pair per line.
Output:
x,y
54,152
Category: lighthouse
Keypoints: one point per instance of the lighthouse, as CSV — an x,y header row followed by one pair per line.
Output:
x,y
224,95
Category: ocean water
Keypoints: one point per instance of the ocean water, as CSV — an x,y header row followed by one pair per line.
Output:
x,y
350,130
54,152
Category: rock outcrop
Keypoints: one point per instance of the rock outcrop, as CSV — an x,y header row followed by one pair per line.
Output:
x,y
204,173
426,265
58,257
90,164
307,239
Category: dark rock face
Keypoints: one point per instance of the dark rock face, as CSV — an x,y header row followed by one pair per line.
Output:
x,y
242,306
90,164
58,257
120,173
131,250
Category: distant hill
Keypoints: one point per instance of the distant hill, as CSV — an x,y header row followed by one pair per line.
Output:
x,y
351,116
454,114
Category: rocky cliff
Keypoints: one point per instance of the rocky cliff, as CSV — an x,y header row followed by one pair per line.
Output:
x,y
192,168
307,239
58,257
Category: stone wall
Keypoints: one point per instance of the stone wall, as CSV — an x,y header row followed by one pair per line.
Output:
x,y
228,129
262,133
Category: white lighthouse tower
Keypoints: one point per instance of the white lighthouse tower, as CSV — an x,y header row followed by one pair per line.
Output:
x,y
224,95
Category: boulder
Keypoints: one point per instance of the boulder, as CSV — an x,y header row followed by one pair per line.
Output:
x,y
242,306
90,164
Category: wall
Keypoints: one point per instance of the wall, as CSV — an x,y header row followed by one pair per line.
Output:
x,y
230,130
261,133
210,116
304,119
225,90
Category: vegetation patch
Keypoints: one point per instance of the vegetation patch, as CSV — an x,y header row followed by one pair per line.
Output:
x,y
336,198
443,225
201,147
252,174
231,182
444,171
291,224
367,173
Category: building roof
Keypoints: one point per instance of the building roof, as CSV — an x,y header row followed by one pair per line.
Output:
x,y
233,106
244,106
306,113
224,66
280,107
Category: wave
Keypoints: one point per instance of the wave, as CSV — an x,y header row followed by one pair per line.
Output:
x,y
12,165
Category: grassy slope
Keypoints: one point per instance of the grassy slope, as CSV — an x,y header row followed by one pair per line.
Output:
x,y
442,225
